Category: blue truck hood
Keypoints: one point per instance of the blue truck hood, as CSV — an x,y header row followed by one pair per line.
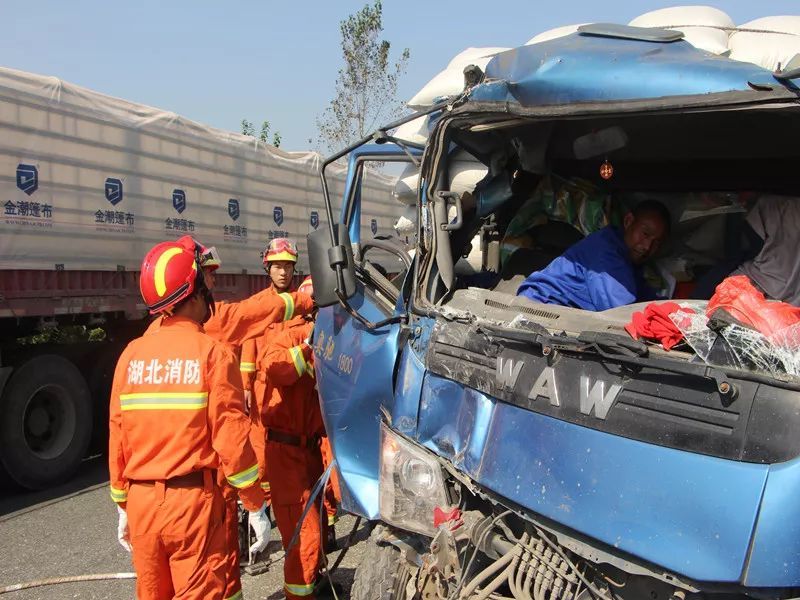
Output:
x,y
587,68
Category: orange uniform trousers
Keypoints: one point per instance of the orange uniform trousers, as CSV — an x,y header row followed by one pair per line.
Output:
x,y
178,540
297,469
332,493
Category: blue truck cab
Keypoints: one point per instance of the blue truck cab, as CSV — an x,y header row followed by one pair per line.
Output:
x,y
509,449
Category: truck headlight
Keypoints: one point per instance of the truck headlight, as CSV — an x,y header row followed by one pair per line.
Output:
x,y
411,484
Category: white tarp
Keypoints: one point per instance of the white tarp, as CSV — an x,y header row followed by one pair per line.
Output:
x,y
91,182
552,34
450,81
768,42
704,27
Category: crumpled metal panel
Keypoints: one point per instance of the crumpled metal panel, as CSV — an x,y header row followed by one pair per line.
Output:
x,y
454,426
584,68
408,388
351,398
689,513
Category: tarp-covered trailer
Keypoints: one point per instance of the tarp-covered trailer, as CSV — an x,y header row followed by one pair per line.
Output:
x,y
88,183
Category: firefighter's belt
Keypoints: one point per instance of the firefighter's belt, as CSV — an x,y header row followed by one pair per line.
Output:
x,y
190,480
301,441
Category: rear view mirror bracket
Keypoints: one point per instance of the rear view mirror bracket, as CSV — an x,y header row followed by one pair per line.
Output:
x,y
337,256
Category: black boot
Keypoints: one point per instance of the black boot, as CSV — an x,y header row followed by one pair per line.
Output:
x,y
322,588
330,540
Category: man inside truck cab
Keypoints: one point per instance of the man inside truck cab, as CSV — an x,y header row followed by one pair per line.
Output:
x,y
604,270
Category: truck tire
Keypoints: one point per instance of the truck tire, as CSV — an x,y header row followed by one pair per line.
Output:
x,y
46,422
384,575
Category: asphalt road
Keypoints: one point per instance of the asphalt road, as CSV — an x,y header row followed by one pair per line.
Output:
x,y
71,530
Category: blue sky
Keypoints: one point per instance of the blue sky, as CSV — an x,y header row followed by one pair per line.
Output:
x,y
219,62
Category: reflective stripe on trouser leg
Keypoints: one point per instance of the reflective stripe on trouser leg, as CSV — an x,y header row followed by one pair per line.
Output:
x,y
301,563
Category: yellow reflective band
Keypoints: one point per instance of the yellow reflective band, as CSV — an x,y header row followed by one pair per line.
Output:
x,y
161,270
332,520
265,486
288,301
118,495
247,367
300,590
298,359
164,401
282,256
236,596
245,478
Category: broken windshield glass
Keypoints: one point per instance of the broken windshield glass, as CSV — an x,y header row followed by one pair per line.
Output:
x,y
741,347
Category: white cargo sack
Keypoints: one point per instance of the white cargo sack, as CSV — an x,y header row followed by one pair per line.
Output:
x,y
465,173
764,49
415,131
451,81
405,190
704,27
552,34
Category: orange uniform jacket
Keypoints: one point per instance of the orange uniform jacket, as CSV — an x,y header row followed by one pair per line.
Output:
x,y
247,363
260,389
293,405
176,408
235,322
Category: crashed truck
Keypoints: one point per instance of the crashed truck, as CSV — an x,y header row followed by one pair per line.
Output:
x,y
88,183
508,449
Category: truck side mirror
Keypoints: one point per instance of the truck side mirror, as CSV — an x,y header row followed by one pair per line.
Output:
x,y
323,259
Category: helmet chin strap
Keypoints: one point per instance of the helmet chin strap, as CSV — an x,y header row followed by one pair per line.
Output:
x,y
208,296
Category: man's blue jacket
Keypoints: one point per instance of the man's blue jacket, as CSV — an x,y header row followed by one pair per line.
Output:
x,y
594,274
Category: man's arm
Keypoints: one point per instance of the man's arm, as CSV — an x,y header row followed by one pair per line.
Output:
x,y
288,357
116,454
235,322
247,368
230,428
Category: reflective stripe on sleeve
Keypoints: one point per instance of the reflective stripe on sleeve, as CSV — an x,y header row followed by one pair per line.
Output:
x,y
164,401
298,359
236,596
288,301
118,495
245,478
247,367
265,486
300,590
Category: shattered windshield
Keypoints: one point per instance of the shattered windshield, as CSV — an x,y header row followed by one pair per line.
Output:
x,y
740,346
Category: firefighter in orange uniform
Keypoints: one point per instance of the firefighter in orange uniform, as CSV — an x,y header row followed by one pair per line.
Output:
x,y
294,431
279,259
175,418
237,324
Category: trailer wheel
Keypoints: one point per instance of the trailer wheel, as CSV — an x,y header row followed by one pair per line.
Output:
x,y
384,575
46,422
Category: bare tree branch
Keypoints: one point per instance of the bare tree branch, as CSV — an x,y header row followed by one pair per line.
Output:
x,y
366,87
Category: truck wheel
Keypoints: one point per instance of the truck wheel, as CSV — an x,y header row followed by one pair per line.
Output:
x,y
46,423
384,575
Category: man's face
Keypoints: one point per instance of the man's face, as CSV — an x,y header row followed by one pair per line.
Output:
x,y
281,273
643,235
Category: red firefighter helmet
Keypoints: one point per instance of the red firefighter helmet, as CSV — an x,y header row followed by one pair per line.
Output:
x,y
170,274
307,287
280,249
